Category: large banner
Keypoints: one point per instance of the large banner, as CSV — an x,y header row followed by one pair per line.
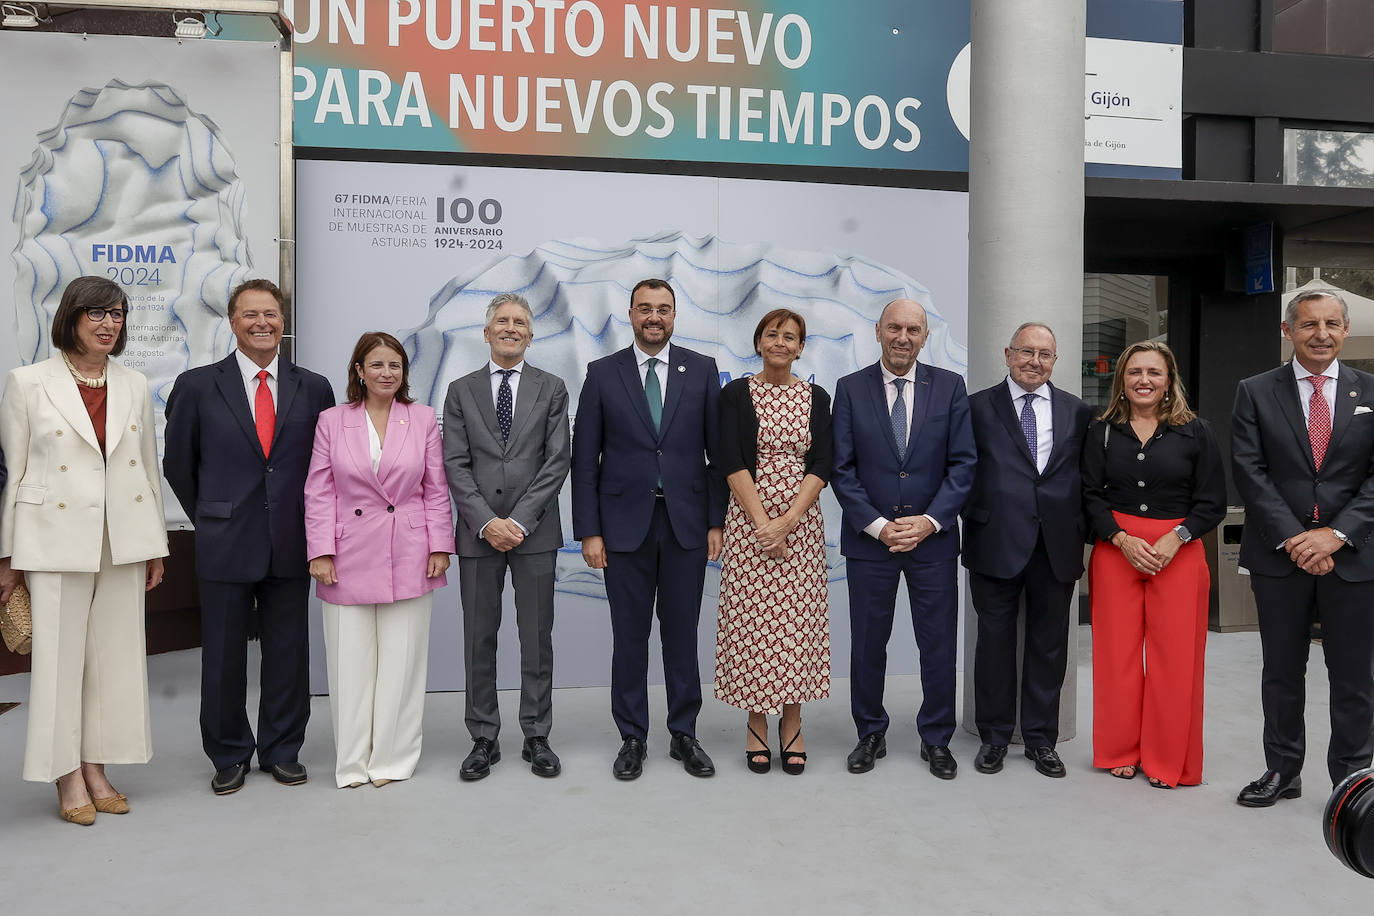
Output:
x,y
149,161
881,84
420,250
805,82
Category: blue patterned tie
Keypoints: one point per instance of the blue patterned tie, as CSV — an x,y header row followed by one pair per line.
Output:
x,y
899,419
504,402
1028,427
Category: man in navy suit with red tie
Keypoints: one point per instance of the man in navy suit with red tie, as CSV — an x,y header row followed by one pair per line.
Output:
x,y
238,444
1023,541
1302,455
904,460
648,506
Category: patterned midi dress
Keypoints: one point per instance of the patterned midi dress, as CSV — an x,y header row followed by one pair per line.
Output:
x,y
773,632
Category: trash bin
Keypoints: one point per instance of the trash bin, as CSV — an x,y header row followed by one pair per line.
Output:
x,y
1232,605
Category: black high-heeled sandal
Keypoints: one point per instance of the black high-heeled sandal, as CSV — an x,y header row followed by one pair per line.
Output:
x,y
785,754
758,766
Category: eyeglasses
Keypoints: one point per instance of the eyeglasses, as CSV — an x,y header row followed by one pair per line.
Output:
x,y
644,311
1027,354
116,314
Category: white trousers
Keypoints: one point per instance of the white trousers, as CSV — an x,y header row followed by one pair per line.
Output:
x,y
88,693
377,656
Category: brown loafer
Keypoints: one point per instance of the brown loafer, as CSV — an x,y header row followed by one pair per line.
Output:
x,y
115,804
84,815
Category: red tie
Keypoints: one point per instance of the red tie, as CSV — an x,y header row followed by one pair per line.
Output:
x,y
1318,424
266,413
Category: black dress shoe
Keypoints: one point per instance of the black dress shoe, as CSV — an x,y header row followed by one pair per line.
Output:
x,y
288,772
477,764
230,779
941,760
870,748
990,757
629,763
1269,788
693,756
1047,762
541,758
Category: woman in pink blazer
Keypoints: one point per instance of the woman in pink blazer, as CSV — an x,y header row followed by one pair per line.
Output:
x,y
379,533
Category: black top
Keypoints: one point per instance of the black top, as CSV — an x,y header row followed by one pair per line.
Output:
x,y
739,432
1177,474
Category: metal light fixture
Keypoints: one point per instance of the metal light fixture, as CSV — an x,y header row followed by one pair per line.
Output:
x,y
189,24
19,15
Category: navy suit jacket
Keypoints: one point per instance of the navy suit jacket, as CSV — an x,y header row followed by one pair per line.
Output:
x,y
1271,459
934,477
1012,503
618,459
248,509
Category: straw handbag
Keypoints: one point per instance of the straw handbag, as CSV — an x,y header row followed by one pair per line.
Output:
x,y
16,622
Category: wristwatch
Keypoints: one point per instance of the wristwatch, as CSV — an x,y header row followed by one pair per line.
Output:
x,y
1183,533
1341,536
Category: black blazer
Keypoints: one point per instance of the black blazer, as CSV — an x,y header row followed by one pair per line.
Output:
x,y
1271,458
249,510
1012,503
739,432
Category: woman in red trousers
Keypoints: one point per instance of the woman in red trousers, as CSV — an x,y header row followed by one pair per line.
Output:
x,y
1153,485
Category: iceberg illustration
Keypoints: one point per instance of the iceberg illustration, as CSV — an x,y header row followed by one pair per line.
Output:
x,y
579,291
133,185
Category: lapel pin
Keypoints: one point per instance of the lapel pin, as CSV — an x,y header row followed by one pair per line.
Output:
x,y
1353,394
684,369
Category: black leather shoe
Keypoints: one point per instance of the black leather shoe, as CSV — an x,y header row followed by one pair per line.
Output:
x,y
870,748
1047,762
477,764
1269,788
941,760
990,757
230,779
541,758
629,763
288,772
693,756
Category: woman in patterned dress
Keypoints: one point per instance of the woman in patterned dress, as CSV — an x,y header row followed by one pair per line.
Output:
x,y
773,635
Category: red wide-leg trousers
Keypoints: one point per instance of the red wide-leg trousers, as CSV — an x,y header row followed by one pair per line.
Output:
x,y
1149,647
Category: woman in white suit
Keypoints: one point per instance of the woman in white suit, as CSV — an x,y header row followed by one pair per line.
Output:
x,y
82,525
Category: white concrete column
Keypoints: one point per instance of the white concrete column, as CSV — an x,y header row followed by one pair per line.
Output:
x,y
1026,212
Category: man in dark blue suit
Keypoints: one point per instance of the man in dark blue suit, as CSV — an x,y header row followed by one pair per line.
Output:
x,y
648,507
238,443
1023,539
904,459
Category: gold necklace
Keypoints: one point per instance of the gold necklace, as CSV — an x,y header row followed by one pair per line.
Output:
x,y
81,379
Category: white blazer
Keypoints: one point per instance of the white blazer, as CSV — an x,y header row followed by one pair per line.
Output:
x,y
61,494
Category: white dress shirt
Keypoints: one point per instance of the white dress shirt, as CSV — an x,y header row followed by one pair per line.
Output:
x,y
876,526
1305,387
495,370
374,443
1044,418
250,371
516,371
642,360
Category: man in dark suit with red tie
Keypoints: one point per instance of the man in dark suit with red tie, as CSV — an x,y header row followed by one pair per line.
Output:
x,y
1302,451
648,506
1023,542
904,458
238,444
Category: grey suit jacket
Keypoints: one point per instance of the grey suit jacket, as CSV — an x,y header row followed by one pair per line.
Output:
x,y
518,480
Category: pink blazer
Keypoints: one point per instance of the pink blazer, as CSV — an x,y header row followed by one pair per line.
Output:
x,y
381,527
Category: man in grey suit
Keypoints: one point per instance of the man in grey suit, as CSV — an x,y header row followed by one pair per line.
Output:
x,y
506,452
